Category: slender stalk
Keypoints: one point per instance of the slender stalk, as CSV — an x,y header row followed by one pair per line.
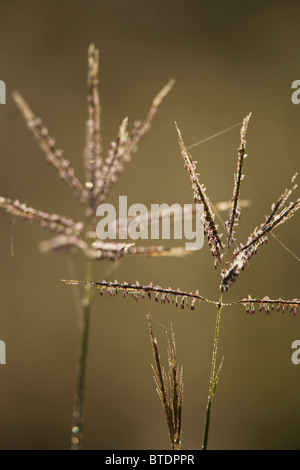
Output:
x,y
79,398
78,409
206,428
212,381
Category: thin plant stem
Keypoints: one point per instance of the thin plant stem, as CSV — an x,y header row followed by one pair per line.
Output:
x,y
206,427
213,377
78,409
76,293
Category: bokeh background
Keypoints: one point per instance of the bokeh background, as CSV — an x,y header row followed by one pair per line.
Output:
x,y
228,58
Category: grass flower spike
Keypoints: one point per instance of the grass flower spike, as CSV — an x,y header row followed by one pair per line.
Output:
x,y
101,170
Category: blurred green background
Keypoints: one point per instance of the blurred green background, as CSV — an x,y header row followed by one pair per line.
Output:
x,y
228,58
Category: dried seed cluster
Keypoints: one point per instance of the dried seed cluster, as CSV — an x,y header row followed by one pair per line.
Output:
x,y
100,173
138,291
266,305
234,215
53,222
210,228
169,386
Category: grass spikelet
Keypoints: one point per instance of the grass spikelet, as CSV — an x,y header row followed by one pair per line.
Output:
x,y
169,386
210,228
92,151
235,212
53,155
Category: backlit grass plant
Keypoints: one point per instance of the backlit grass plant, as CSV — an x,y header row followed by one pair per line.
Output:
x,y
101,173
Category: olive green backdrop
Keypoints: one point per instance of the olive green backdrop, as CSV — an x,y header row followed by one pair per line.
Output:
x,y
228,58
